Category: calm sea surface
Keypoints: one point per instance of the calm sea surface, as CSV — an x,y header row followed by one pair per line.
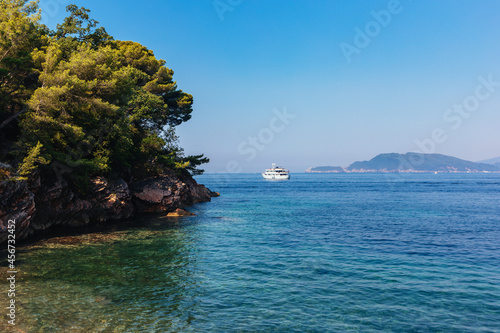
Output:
x,y
317,253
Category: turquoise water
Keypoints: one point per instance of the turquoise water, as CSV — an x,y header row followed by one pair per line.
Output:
x,y
317,253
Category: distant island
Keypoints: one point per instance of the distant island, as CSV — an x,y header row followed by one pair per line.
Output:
x,y
326,169
412,162
493,161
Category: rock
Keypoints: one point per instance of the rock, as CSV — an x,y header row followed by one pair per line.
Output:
x,y
60,204
17,204
197,192
157,194
180,212
167,193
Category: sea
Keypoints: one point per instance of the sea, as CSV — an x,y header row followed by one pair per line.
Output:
x,y
317,253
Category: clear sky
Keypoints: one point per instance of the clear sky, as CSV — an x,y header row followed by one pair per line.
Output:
x,y
310,83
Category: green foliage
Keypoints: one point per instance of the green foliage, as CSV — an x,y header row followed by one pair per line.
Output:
x,y
19,35
193,161
31,160
96,105
72,31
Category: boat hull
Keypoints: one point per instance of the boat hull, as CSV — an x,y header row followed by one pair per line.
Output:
x,y
276,177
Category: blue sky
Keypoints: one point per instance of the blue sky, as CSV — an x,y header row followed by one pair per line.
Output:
x,y
309,83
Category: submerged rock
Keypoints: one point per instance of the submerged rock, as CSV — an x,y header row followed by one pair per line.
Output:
x,y
180,212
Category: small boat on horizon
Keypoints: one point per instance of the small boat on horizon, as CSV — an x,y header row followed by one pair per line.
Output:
x,y
277,173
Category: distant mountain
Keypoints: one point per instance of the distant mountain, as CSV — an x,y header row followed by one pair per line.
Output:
x,y
416,162
325,169
492,161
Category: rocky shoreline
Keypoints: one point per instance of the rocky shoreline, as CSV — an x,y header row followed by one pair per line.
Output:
x,y
37,207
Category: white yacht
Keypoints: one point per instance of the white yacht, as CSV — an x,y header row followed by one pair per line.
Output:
x,y
276,173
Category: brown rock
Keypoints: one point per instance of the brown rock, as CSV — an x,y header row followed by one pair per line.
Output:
x,y
60,204
17,204
166,193
180,212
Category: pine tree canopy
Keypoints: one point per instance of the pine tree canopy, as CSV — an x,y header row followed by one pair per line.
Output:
x,y
78,98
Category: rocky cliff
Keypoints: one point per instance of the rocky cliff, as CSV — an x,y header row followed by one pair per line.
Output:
x,y
37,206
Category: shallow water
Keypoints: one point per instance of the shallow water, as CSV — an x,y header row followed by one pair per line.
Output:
x,y
317,253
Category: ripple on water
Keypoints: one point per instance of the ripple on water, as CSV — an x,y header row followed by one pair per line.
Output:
x,y
332,253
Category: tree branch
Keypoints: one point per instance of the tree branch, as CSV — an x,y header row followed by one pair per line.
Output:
x,y
11,118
